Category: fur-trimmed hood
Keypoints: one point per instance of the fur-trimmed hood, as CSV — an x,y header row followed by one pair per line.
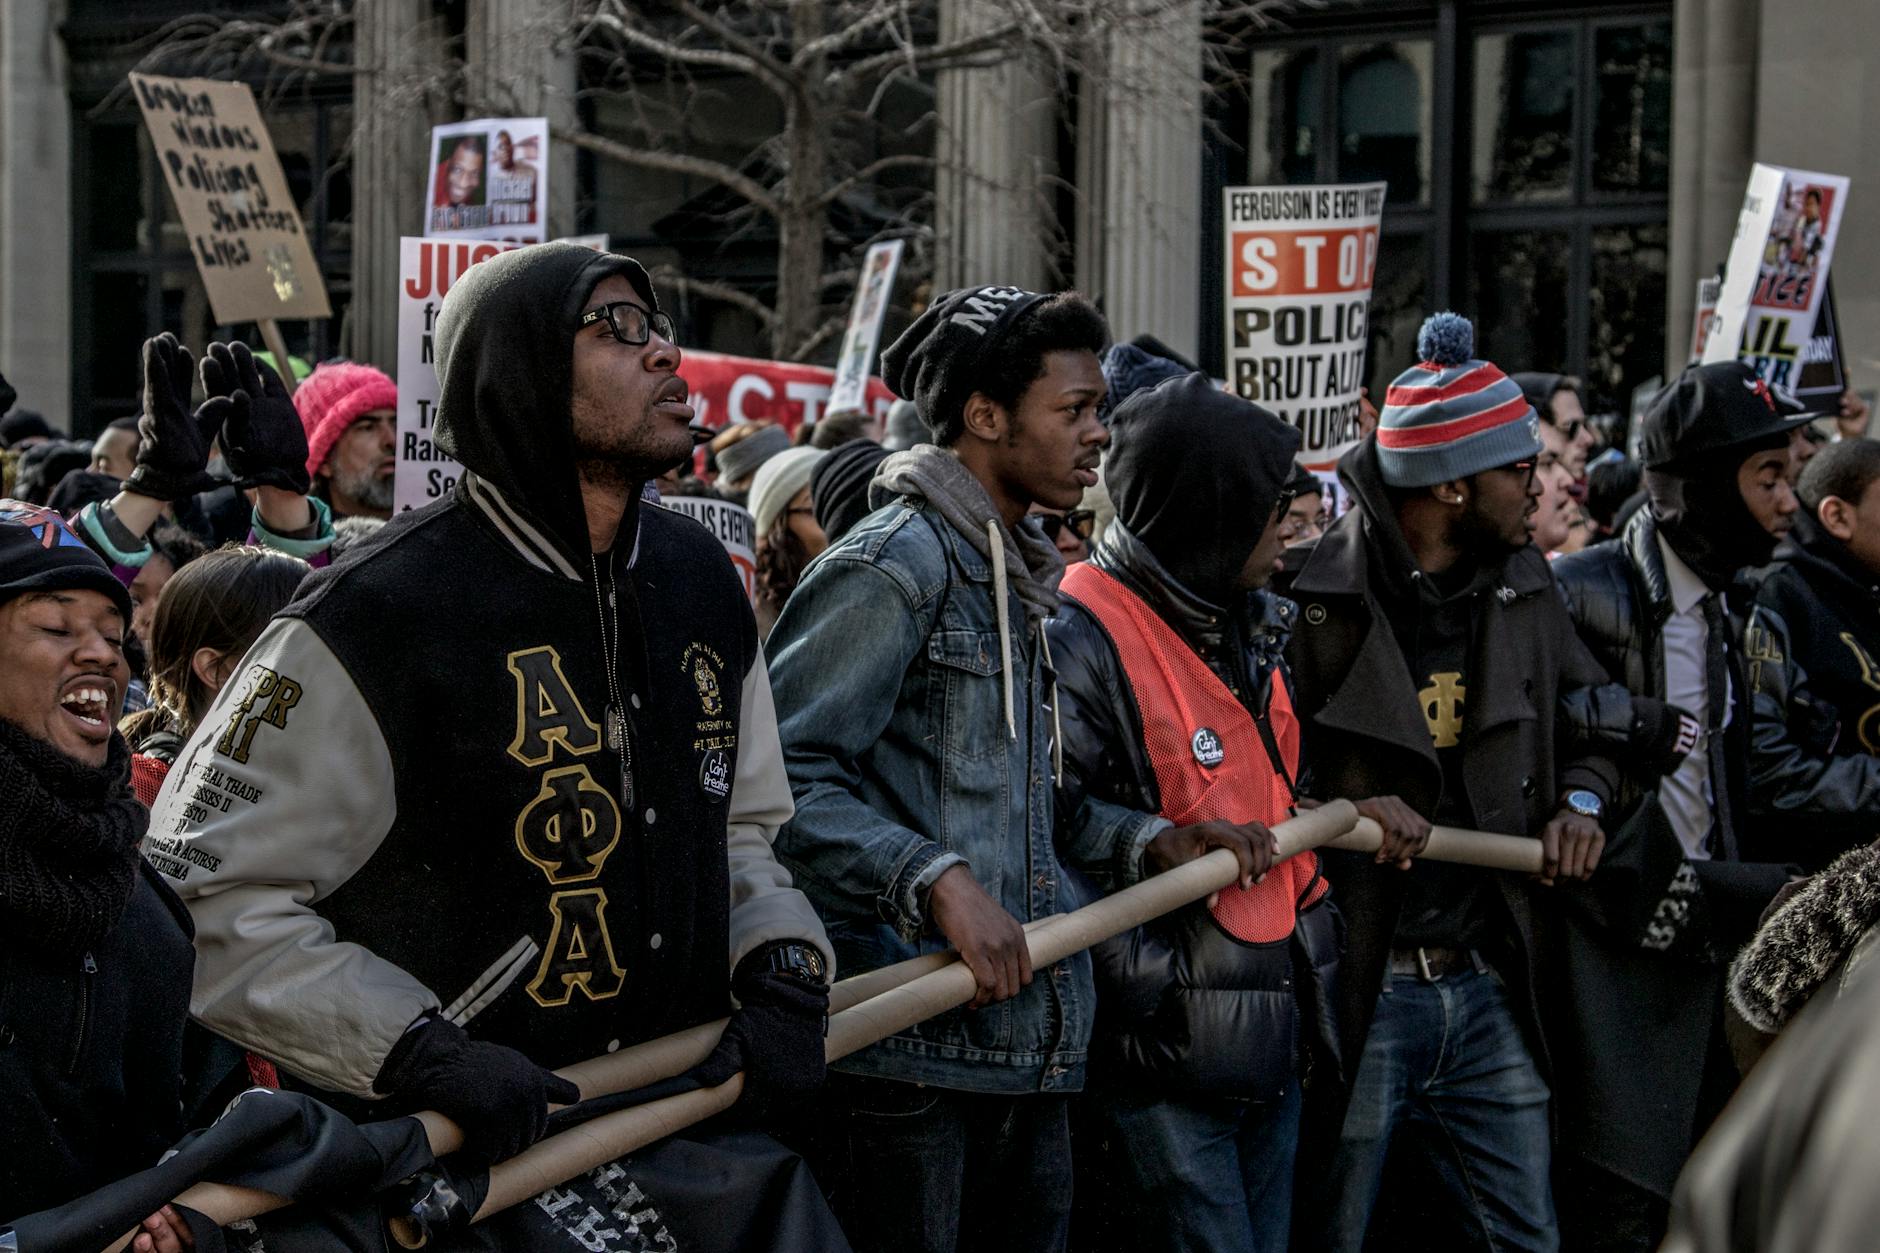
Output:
x,y
1805,940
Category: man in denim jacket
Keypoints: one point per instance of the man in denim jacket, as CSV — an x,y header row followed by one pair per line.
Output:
x,y
916,703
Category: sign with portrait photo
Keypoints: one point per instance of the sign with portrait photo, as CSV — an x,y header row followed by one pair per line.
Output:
x,y
488,179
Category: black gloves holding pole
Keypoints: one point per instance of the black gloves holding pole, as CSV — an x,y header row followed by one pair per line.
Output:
x,y
776,1036
263,441
496,1095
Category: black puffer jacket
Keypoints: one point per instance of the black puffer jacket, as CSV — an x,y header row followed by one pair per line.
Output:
x,y
1181,1004
1812,644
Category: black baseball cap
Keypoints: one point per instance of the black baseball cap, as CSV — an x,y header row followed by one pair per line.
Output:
x,y
40,553
1714,408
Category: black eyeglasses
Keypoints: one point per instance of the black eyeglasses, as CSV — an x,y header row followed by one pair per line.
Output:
x,y
1080,521
631,324
1286,497
1523,468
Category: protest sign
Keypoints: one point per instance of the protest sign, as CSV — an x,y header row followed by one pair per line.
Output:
x,y
426,270
488,179
743,389
1777,272
243,226
733,526
1822,378
1704,316
1299,267
864,333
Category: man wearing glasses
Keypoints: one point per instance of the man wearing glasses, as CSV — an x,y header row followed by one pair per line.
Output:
x,y
1558,402
1431,646
498,794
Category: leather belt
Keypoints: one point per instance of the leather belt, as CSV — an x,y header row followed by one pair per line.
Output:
x,y
1430,964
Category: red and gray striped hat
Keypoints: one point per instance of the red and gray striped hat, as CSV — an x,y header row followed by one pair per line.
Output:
x,y
1450,415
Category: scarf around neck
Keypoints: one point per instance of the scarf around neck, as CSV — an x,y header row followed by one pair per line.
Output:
x,y
69,836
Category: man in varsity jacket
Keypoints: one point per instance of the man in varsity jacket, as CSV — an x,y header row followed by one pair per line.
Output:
x,y
497,793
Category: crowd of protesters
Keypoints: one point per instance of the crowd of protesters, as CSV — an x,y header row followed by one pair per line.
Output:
x,y
405,813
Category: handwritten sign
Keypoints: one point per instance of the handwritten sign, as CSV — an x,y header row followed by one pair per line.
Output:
x,y
244,228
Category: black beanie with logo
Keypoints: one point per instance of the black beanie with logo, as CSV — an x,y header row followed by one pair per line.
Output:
x,y
936,361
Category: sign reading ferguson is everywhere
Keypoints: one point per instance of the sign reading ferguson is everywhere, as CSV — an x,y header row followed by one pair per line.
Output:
x,y
243,226
1299,266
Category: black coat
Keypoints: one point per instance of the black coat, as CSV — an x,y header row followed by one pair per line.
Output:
x,y
1641,948
1366,735
91,1053
1182,1005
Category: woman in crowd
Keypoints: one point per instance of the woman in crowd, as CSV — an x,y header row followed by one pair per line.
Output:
x,y
788,536
208,614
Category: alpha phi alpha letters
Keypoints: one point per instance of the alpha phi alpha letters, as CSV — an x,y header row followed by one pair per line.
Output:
x,y
568,830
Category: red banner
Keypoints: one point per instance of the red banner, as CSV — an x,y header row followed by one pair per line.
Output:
x,y
743,389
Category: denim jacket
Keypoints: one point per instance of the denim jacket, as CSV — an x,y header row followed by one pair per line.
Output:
x,y
887,672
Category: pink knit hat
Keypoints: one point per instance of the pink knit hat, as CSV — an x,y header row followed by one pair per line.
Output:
x,y
332,398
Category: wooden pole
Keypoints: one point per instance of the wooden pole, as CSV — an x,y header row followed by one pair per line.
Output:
x,y
283,365
866,1008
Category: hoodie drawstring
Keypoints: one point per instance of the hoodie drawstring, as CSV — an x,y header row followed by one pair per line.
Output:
x,y
1001,599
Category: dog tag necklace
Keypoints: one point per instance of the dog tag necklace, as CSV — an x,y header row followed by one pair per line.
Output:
x,y
615,717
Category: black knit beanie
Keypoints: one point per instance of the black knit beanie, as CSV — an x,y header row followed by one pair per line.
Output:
x,y
935,363
838,486
1195,473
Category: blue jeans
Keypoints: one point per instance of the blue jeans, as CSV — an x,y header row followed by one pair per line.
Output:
x,y
1445,1062
938,1171
1203,1175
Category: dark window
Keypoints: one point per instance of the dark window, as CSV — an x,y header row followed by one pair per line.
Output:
x,y
1528,164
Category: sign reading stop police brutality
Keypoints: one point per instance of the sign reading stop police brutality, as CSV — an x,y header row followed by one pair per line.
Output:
x,y
1777,276
1299,266
243,226
426,270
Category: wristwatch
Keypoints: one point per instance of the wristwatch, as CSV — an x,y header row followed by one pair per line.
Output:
x,y
1583,803
805,961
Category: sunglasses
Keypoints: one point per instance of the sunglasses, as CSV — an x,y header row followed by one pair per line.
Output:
x,y
1080,521
631,324
1286,497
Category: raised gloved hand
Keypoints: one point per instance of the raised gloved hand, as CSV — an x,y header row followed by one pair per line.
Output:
x,y
776,1036
499,1097
173,457
263,440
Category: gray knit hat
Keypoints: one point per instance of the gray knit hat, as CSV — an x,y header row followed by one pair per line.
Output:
x,y
1451,415
740,460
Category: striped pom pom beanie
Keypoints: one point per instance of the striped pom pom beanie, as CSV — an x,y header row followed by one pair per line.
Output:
x,y
1450,415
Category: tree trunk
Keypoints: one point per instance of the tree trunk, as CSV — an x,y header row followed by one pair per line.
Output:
x,y
803,224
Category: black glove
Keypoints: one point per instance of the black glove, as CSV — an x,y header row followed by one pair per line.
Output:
x,y
263,440
173,459
1663,733
776,1037
499,1097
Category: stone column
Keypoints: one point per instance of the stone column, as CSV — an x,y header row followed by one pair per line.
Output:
x,y
399,54
36,210
1139,245
518,62
997,147
1713,121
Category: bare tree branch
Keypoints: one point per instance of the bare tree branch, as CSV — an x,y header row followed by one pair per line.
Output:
x,y
817,338
714,290
673,163
881,165
711,58
766,65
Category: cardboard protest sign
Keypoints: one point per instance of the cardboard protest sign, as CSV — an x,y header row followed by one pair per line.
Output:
x,y
734,526
1299,266
743,389
1777,274
864,333
243,226
426,270
488,179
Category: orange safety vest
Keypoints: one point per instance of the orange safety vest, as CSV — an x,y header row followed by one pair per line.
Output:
x,y
1209,758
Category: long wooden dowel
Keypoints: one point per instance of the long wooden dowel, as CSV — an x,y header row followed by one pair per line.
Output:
x,y
636,1066
561,1157
1454,844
